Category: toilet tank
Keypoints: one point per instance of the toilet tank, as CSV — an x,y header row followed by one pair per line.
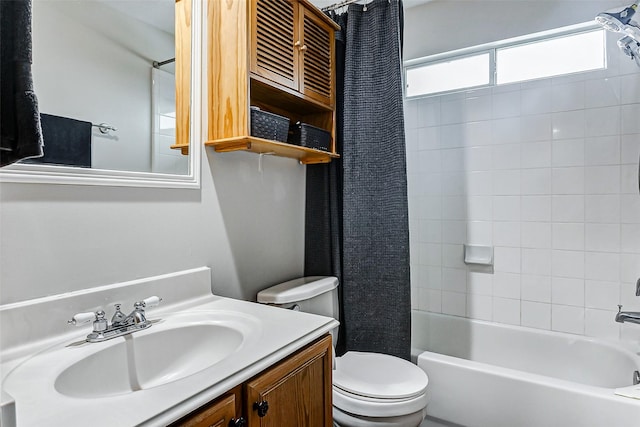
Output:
x,y
315,294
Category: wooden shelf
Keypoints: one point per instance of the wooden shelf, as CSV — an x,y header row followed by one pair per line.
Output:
x,y
307,156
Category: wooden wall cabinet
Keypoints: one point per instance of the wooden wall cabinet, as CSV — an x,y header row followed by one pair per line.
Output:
x,y
278,55
295,392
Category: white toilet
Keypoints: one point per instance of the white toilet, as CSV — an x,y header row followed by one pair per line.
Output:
x,y
369,389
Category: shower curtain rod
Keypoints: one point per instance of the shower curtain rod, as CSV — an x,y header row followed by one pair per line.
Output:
x,y
157,64
343,4
338,5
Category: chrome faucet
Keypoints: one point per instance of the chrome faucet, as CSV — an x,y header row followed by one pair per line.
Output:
x,y
121,324
629,316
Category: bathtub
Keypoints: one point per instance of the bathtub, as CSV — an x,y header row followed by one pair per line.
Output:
x,y
492,375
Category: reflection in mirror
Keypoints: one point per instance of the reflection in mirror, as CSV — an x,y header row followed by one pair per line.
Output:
x,y
104,104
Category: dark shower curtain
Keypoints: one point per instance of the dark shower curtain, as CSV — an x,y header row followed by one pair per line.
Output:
x,y
356,209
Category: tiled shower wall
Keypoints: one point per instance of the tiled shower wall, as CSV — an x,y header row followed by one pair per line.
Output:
x,y
546,172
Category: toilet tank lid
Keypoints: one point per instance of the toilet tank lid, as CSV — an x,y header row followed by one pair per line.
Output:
x,y
297,290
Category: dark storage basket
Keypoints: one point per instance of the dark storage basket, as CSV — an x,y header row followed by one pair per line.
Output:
x,y
268,125
309,136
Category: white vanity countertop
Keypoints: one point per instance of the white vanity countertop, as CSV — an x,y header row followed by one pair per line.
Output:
x,y
275,333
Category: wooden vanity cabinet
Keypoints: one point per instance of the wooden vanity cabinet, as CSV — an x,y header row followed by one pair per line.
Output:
x,y
278,55
295,392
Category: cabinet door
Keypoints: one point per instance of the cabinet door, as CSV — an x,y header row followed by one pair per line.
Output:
x,y
316,57
219,413
297,391
275,41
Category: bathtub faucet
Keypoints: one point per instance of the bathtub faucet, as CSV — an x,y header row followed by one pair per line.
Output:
x,y
627,316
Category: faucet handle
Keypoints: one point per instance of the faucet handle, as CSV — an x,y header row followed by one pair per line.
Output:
x,y
149,302
81,318
619,308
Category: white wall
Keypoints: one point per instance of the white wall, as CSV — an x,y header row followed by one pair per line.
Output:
x,y
546,173
248,227
93,63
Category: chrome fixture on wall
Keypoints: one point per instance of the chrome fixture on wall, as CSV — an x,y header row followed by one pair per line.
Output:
x,y
620,21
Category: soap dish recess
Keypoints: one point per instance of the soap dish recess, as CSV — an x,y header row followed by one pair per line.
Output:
x,y
478,255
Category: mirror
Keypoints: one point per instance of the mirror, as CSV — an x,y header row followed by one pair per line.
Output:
x,y
105,74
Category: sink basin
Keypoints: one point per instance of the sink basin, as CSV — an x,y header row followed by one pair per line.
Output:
x,y
175,348
140,362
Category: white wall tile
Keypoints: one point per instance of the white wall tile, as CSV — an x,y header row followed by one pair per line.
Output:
x,y
430,161
535,181
506,183
567,264
536,208
600,324
567,125
630,238
536,288
454,303
536,315
567,152
630,89
454,207
568,208
602,121
479,307
452,111
479,183
507,131
506,104
480,208
567,235
506,208
535,100
567,319
567,291
478,133
434,300
506,310
478,108
630,209
454,279
603,208
536,154
630,122
429,138
603,295
452,136
630,150
629,179
433,277
602,266
536,235
478,158
506,156
602,92
506,260
629,268
569,180
453,159
479,283
566,97
602,237
429,112
602,179
603,150
536,128
506,234
536,261
506,285
480,233
454,232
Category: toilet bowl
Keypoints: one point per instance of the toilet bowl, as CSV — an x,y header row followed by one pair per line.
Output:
x,y
369,389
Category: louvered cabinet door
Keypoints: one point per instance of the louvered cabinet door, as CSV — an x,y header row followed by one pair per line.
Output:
x,y
274,54
316,58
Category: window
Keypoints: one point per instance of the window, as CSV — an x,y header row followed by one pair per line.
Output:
x,y
562,51
553,57
449,75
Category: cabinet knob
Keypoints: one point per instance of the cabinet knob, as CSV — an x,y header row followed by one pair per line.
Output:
x,y
237,422
261,407
303,47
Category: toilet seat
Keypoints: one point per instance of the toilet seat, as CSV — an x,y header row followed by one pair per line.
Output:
x,y
378,385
